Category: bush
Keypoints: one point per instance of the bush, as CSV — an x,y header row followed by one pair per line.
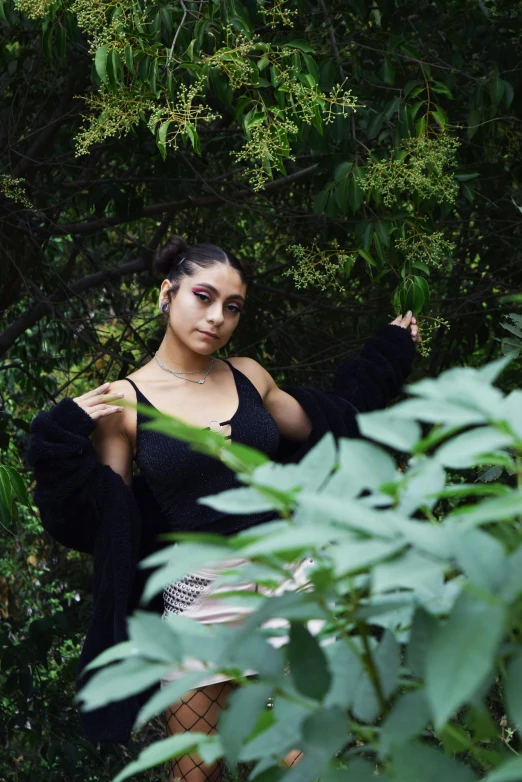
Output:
x,y
416,585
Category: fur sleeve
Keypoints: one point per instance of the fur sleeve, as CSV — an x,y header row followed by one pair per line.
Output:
x,y
68,475
376,377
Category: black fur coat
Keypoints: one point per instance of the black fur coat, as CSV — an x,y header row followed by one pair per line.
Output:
x,y
87,506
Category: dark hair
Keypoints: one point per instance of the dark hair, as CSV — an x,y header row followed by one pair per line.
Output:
x,y
168,261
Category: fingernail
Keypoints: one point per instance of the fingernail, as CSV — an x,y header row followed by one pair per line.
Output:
x,y
408,313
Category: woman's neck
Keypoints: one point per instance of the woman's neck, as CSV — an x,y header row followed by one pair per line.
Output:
x,y
175,355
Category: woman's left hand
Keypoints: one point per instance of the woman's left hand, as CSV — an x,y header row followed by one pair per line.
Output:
x,y
409,322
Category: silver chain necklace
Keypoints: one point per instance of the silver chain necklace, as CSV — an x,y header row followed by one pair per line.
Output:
x,y
179,374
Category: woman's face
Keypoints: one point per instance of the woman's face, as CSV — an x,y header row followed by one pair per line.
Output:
x,y
207,303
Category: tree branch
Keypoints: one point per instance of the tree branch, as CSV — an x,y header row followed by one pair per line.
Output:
x,y
32,316
175,206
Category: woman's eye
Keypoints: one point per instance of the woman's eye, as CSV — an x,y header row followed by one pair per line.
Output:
x,y
235,309
204,295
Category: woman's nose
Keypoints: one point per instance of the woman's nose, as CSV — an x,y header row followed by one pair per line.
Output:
x,y
215,314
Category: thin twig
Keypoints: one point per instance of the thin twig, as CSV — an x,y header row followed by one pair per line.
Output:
x,y
171,53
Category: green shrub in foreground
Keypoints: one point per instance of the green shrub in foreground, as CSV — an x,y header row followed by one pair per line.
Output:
x,y
416,581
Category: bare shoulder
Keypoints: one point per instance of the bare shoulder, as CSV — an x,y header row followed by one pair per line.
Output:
x,y
123,387
255,372
118,425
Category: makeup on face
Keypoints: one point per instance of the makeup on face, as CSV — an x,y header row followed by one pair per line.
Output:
x,y
201,290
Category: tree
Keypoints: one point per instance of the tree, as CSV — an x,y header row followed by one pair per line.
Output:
x,y
345,149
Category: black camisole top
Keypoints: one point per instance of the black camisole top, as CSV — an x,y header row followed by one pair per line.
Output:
x,y
178,476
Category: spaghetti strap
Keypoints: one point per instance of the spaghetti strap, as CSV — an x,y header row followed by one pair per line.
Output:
x,y
140,397
133,384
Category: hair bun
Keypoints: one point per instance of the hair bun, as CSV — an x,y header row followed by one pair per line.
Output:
x,y
170,254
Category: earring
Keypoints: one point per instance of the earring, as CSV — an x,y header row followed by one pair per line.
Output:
x,y
164,307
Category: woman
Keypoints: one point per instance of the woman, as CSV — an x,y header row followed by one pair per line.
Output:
x,y
202,294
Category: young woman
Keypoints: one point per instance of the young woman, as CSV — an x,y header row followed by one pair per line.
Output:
x,y
202,294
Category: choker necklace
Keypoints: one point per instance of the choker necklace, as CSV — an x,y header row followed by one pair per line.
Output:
x,y
179,374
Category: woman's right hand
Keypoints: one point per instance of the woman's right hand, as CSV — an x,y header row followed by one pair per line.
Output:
x,y
96,403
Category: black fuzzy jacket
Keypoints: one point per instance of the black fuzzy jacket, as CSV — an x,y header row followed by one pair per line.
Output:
x,y
87,506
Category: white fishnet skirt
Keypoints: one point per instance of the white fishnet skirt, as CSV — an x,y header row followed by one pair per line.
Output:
x,y
195,597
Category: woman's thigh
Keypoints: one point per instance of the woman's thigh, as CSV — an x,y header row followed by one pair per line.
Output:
x,y
198,710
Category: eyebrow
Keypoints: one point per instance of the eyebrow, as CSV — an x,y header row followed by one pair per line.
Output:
x,y
215,290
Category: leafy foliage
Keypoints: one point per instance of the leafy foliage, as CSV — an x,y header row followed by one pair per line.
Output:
x,y
405,638
352,152
78,232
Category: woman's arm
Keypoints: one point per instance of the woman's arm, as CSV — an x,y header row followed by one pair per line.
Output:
x,y
368,382
70,476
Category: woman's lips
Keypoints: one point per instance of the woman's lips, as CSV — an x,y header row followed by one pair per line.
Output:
x,y
208,335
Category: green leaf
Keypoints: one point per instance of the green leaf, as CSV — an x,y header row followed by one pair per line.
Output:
x,y
509,94
239,719
498,509
462,654
412,570
153,75
301,45
354,556
166,696
388,72
387,660
496,91
242,500
295,539
391,108
482,558
100,62
120,681
441,117
47,41
118,652
510,771
346,669
6,494
178,565
60,38
282,732
323,734
313,70
320,200
368,466
472,447
111,70
153,637
513,689
367,257
474,122
315,467
415,762
390,430
406,720
355,192
375,125
422,633
172,747
308,664
381,229
467,175
438,86
128,58
421,266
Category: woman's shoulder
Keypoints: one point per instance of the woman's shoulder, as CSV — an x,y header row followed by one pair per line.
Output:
x,y
255,372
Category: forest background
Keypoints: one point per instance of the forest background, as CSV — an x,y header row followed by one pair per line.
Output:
x,y
363,157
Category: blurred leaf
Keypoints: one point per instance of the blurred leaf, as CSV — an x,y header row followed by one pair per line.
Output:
x,y
462,655
308,664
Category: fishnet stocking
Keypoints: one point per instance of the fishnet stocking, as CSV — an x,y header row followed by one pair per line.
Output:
x,y
198,711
